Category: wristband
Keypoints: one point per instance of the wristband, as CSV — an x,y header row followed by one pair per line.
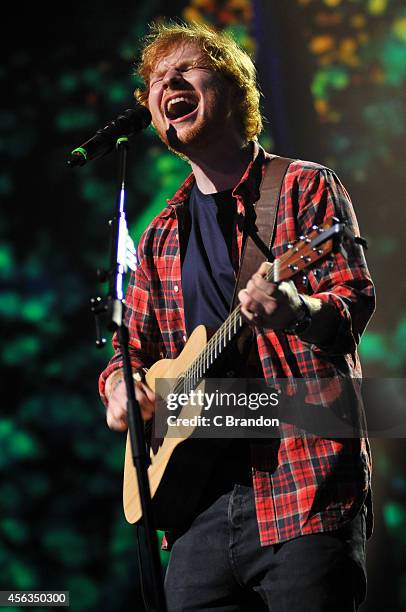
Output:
x,y
303,321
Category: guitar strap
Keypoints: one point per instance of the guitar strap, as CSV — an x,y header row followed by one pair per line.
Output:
x,y
260,223
260,219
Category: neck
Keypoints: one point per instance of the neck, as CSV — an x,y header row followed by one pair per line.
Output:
x,y
221,167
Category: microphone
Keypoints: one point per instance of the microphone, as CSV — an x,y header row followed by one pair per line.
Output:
x,y
133,120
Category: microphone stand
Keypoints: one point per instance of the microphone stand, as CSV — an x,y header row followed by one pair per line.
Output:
x,y
114,307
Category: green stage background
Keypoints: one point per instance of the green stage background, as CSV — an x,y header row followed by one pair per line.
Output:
x,y
333,77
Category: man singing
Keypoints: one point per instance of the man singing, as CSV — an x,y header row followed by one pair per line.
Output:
x,y
289,534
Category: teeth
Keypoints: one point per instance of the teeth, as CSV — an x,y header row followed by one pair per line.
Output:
x,y
180,99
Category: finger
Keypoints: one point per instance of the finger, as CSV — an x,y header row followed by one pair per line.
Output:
x,y
264,268
146,401
266,286
142,394
248,302
116,423
257,282
258,302
243,296
250,317
148,392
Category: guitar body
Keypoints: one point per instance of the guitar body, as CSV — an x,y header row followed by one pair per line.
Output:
x,y
185,463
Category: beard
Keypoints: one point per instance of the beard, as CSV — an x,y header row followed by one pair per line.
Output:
x,y
203,132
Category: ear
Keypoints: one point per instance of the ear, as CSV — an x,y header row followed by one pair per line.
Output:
x,y
234,99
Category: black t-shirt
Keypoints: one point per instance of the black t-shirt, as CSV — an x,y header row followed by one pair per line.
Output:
x,y
208,281
208,277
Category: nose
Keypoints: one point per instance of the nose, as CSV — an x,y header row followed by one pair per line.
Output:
x,y
171,78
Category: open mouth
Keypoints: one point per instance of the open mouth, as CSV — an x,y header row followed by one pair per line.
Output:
x,y
180,108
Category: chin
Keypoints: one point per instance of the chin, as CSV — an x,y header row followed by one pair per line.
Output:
x,y
178,140
190,138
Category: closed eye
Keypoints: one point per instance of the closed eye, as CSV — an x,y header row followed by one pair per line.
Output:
x,y
155,81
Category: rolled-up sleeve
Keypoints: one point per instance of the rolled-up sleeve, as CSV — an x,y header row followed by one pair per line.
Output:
x,y
145,344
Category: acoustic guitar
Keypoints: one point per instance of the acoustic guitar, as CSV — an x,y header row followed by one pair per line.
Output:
x,y
180,465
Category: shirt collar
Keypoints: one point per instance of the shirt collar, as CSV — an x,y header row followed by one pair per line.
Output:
x,y
248,188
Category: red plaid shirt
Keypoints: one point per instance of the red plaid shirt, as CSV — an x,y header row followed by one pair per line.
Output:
x,y
313,484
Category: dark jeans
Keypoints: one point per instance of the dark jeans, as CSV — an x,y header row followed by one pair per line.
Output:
x,y
218,564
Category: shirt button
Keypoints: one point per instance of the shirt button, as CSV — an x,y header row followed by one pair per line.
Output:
x,y
176,288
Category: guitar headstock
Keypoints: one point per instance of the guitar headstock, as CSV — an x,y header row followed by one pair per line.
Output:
x,y
318,243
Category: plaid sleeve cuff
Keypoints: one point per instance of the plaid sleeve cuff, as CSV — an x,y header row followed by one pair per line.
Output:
x,y
115,364
113,367
343,340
